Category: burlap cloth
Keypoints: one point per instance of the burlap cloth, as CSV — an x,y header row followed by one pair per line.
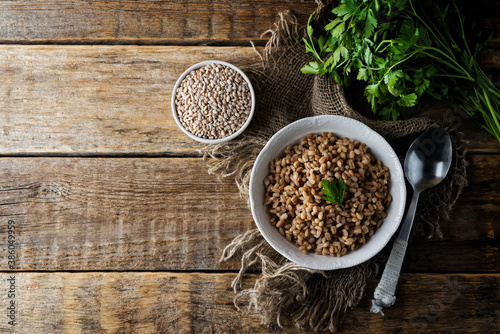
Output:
x,y
287,293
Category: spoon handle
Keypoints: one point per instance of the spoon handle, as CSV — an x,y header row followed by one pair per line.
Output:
x,y
386,288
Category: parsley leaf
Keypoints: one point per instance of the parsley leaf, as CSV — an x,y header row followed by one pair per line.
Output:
x,y
370,24
408,100
311,68
334,191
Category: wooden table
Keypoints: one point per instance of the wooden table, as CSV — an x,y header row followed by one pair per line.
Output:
x,y
119,227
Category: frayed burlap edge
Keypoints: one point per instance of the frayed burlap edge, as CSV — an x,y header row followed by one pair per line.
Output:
x,y
285,292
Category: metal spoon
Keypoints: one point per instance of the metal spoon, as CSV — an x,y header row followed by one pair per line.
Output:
x,y
426,164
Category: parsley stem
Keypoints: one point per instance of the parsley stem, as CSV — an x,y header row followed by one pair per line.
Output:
x,y
494,92
441,40
451,76
483,78
315,53
462,29
456,66
396,64
490,108
383,42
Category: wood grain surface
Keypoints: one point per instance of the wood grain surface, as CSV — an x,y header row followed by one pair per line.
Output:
x,y
86,100
97,99
162,22
119,227
165,214
147,302
143,21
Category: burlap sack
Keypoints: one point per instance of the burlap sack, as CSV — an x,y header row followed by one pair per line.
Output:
x,y
288,293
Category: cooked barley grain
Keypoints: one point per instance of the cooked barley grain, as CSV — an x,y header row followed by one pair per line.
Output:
x,y
294,194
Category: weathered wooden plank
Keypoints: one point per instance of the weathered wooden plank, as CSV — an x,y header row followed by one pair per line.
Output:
x,y
477,215
433,304
103,213
162,302
159,22
479,141
99,99
160,214
452,256
142,21
108,99
489,12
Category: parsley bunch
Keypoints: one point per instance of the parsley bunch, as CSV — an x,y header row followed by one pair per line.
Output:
x,y
404,49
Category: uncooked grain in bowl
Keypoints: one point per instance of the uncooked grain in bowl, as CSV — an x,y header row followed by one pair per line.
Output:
x,y
294,194
213,101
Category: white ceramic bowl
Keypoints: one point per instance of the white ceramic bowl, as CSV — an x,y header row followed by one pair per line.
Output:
x,y
204,140
341,127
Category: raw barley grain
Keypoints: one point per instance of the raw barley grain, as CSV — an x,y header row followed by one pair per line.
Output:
x,y
213,101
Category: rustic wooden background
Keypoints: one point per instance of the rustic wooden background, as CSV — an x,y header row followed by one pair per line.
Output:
x,y
119,226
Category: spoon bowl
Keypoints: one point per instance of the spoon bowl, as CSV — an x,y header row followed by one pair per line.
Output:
x,y
428,159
